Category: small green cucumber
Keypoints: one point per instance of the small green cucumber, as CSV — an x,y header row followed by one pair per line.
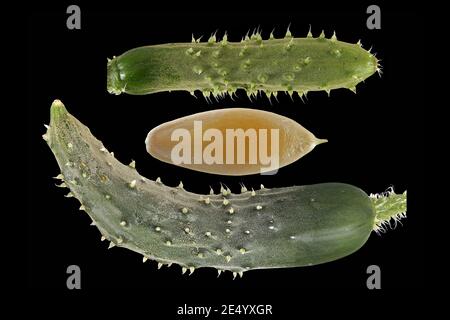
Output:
x,y
269,228
219,67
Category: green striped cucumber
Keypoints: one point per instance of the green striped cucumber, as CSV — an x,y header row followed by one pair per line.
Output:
x,y
292,65
268,228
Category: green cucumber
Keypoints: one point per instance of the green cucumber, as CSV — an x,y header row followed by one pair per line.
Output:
x,y
269,228
290,64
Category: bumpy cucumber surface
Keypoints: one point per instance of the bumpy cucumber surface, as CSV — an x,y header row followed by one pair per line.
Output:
x,y
255,65
268,228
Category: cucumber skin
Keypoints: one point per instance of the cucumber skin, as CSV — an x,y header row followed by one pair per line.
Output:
x,y
328,221
290,64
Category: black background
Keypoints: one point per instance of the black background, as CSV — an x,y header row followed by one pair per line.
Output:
x,y
375,138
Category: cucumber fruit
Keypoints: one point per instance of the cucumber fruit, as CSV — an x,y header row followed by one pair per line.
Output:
x,y
292,65
269,228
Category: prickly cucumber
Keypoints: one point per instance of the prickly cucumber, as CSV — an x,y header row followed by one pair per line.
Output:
x,y
255,65
268,228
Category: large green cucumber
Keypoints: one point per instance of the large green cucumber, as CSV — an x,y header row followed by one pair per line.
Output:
x,y
268,228
255,65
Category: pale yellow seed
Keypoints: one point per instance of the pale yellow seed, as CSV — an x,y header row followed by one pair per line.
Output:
x,y
287,138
